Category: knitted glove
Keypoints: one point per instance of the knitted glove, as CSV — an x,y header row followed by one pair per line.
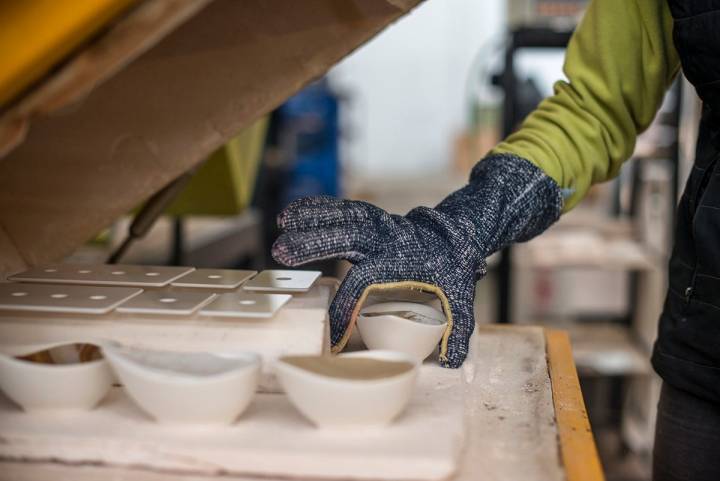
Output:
x,y
440,250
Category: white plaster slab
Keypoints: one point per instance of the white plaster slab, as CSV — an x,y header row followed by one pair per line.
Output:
x,y
509,421
214,278
245,304
166,301
103,274
271,439
275,280
63,298
300,327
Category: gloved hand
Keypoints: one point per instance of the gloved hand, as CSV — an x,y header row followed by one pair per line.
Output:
x,y
440,250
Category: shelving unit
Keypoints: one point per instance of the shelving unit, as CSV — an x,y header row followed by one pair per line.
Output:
x,y
617,249
582,248
605,349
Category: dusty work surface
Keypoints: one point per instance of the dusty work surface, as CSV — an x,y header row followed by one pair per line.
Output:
x,y
512,433
500,403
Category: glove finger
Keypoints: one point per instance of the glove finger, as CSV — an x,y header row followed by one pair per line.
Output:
x,y
297,248
301,211
319,212
460,296
343,306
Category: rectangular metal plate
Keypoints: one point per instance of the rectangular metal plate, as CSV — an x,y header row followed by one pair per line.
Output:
x,y
214,278
282,281
69,299
166,302
245,304
103,274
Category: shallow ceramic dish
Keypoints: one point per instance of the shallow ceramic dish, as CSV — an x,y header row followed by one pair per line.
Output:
x,y
409,327
185,387
54,376
360,389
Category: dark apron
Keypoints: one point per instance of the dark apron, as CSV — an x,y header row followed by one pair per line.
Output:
x,y
687,352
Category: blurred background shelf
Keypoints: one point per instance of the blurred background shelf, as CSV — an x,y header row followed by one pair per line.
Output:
x,y
584,249
607,349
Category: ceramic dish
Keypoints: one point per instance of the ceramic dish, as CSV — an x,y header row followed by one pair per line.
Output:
x,y
360,389
54,376
186,387
409,327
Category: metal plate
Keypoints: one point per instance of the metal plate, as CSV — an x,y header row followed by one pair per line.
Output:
x,y
282,281
245,304
214,278
103,274
166,302
70,299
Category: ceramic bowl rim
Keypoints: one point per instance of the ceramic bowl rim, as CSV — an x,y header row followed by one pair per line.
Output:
x,y
252,363
402,320
56,368
12,359
357,383
420,325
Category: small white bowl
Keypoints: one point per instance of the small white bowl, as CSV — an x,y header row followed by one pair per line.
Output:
x,y
409,327
186,387
332,401
67,385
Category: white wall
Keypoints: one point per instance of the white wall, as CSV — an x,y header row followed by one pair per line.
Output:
x,y
408,87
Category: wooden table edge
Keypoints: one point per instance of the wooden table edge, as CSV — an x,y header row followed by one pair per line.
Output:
x,y
577,445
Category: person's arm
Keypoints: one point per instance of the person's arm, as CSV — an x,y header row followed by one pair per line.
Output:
x,y
619,63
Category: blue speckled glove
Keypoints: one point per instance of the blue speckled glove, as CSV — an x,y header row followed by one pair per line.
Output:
x,y
440,250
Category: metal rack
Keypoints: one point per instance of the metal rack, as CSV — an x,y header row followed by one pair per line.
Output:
x,y
629,382
520,38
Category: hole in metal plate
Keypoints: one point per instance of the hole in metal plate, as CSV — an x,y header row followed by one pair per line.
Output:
x,y
19,294
98,298
50,270
247,302
283,278
84,271
152,274
214,276
58,296
168,300
118,273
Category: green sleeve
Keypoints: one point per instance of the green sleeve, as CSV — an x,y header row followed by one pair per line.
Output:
x,y
619,63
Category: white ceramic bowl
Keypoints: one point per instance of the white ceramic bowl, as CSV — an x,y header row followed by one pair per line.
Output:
x,y
185,387
387,325
337,402
67,385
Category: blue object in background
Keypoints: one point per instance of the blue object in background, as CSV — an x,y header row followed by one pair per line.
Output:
x,y
309,134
